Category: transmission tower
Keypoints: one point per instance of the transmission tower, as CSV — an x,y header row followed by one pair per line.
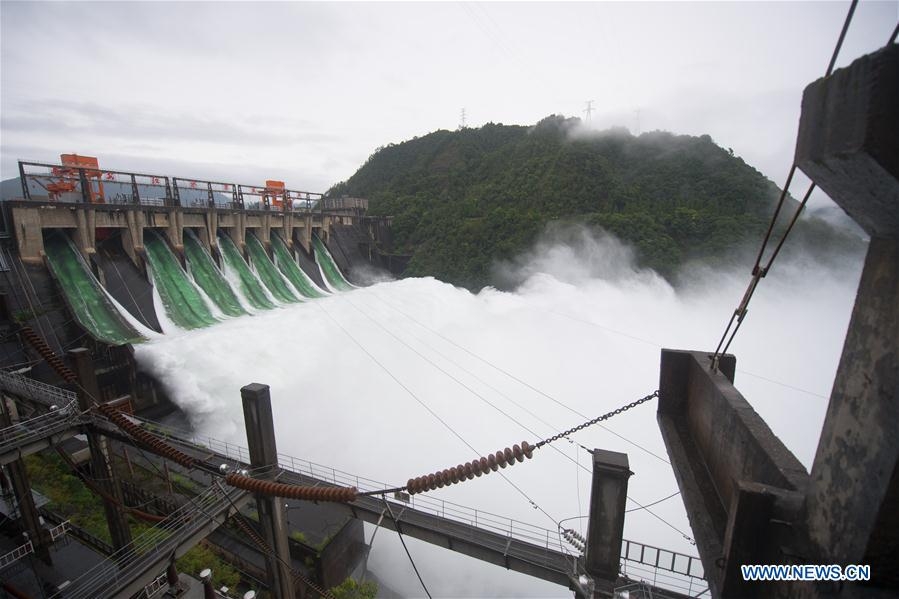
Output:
x,y
462,122
589,111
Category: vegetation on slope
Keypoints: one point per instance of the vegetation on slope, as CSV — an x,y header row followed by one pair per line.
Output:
x,y
463,200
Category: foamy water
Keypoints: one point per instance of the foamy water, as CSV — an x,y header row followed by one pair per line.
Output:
x,y
584,328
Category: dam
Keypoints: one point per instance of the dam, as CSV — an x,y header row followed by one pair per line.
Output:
x,y
135,254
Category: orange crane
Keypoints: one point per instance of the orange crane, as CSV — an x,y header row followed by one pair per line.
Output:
x,y
70,177
275,194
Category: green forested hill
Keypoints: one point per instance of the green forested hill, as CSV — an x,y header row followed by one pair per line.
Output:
x,y
464,199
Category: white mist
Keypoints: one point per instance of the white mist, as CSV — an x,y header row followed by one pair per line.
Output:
x,y
585,327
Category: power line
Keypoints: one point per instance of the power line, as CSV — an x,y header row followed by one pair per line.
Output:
x,y
426,407
657,501
455,379
396,525
513,377
759,272
541,443
836,50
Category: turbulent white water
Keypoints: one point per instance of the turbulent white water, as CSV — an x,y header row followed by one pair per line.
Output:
x,y
584,328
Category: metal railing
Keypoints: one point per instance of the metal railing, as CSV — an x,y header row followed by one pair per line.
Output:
x,y
345,203
127,564
58,531
80,184
36,391
254,197
16,554
27,548
213,191
153,589
35,429
661,578
676,571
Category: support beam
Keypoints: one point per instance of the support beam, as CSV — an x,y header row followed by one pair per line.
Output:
x,y
848,146
851,517
605,530
257,411
101,465
740,484
21,487
847,142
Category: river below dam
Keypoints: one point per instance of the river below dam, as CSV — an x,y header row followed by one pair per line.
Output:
x,y
394,380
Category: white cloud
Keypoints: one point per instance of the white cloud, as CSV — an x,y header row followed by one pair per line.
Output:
x,y
310,89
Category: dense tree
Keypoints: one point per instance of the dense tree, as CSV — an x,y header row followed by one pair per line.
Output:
x,y
464,199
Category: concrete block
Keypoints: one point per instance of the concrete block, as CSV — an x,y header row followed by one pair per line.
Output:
x,y
848,141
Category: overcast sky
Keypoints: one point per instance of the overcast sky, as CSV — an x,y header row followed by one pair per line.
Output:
x,y
305,92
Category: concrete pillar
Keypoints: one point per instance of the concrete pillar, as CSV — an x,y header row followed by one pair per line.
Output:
x,y
304,233
203,236
211,231
238,231
606,525
175,231
101,464
29,236
133,237
287,230
208,589
85,231
265,232
21,487
257,413
176,589
847,145
859,442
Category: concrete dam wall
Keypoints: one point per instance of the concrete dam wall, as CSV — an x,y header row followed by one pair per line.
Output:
x,y
185,290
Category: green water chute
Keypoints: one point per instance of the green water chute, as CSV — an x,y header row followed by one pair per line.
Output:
x,y
249,284
183,303
287,265
332,273
91,306
207,275
270,275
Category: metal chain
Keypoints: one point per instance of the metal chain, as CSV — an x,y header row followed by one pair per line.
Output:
x,y
605,416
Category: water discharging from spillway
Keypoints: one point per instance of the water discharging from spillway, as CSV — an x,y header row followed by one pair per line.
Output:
x,y
267,271
183,303
210,279
288,265
333,277
191,298
87,299
250,286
